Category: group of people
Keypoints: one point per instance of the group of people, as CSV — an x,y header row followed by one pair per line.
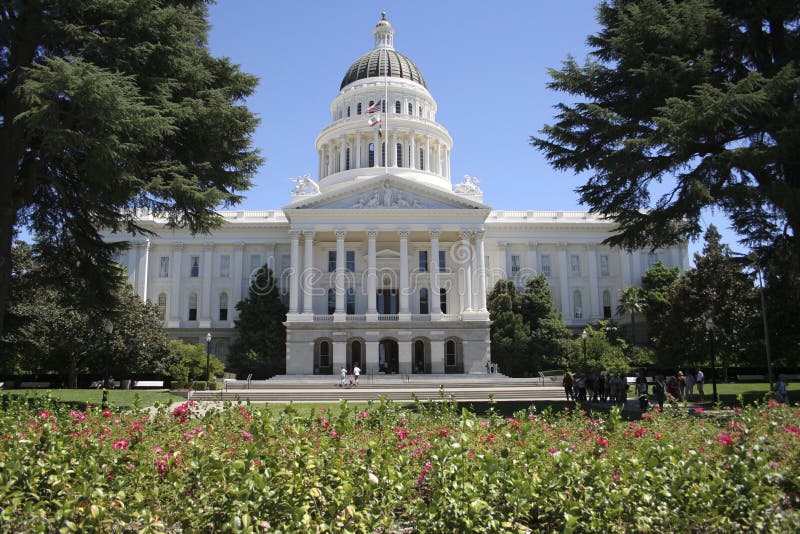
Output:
x,y
596,387
491,367
353,377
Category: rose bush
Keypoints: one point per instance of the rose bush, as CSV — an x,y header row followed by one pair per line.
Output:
x,y
385,469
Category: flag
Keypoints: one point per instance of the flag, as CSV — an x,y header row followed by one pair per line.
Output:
x,y
375,107
380,132
372,121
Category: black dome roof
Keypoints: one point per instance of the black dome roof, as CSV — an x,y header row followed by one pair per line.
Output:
x,y
373,65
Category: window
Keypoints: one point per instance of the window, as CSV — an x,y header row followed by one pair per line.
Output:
x,y
255,263
224,266
423,261
162,305
515,264
443,300
193,306
442,261
421,163
223,306
371,102
606,304
410,108
371,158
163,268
546,265
574,265
331,301
194,266
577,304
397,107
420,110
383,153
399,162
358,109
351,260
324,354
331,261
604,265
348,111
383,105
450,353
347,159
423,301
351,301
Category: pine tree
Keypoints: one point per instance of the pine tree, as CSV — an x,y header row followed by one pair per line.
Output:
x,y
547,328
260,348
656,282
510,335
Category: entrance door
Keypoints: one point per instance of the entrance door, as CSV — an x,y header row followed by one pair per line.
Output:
x,y
388,356
419,357
387,301
354,357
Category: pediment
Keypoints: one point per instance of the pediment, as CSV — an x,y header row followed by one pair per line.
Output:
x,y
387,254
387,193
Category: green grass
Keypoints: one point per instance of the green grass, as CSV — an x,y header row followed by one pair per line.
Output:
x,y
122,398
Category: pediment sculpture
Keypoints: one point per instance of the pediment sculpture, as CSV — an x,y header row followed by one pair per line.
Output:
x,y
469,186
304,185
386,196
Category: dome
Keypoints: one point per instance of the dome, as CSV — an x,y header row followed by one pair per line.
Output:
x,y
373,65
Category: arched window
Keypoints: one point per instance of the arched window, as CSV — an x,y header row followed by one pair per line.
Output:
x,y
371,161
421,164
410,108
223,306
162,305
331,301
607,304
423,301
355,353
324,354
192,306
450,353
420,110
397,107
358,108
347,159
577,304
399,155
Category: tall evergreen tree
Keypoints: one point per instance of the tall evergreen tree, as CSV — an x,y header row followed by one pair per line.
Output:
x,y
510,335
656,282
547,328
109,106
697,94
261,344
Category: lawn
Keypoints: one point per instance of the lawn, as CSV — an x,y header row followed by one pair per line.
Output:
x,y
122,398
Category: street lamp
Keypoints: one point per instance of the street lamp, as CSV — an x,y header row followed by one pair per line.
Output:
x,y
584,335
208,358
108,328
710,329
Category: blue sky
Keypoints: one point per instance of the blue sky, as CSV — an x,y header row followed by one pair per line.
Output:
x,y
484,63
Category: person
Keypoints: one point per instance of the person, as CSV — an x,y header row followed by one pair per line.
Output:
x,y
356,372
622,390
342,377
487,367
681,386
782,391
352,379
641,390
659,391
699,381
567,384
673,389
580,384
689,390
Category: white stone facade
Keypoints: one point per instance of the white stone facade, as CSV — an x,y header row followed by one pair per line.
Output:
x,y
383,261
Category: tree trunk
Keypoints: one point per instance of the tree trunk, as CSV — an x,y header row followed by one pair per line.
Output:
x,y
72,380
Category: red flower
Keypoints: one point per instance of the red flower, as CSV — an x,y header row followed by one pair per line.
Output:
x,y
772,403
698,410
724,439
602,442
246,436
401,433
659,435
121,445
640,432
364,415
793,430
106,413
45,414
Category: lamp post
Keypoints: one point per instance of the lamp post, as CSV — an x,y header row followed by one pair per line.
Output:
x,y
710,329
208,358
108,328
584,335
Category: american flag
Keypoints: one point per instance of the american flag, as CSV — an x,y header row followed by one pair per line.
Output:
x,y
375,107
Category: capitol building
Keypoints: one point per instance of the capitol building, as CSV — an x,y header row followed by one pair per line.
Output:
x,y
384,260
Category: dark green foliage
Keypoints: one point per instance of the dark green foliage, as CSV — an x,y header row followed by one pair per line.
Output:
x,y
109,106
510,334
189,363
261,346
656,282
547,328
631,301
700,95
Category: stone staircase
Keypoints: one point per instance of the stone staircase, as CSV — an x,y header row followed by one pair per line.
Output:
x,y
403,388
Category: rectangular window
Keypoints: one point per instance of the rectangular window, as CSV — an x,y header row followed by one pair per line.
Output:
x,y
255,263
351,301
423,261
194,266
223,307
515,264
546,265
331,301
163,268
193,307
331,261
224,266
574,265
442,261
604,265
423,301
351,260
443,300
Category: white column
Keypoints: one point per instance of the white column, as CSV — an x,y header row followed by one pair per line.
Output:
x,y
175,289
133,265
625,264
427,154
377,142
341,265
566,303
207,271
412,149
308,276
594,296
342,153
438,168
447,164
404,290
466,253
433,261
404,356
394,148
437,356
475,270
481,271
372,275
358,151
294,236
533,258
319,163
143,271
502,265
238,260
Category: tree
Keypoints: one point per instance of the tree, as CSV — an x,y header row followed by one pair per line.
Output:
x,y
188,362
108,107
594,351
698,94
510,335
261,344
631,300
655,287
546,326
